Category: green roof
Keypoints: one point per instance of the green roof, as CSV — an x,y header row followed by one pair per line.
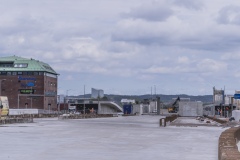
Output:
x,y
15,64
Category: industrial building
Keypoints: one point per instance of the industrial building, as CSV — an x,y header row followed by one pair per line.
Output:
x,y
190,108
28,83
89,105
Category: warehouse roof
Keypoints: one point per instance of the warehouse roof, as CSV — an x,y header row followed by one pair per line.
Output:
x,y
15,63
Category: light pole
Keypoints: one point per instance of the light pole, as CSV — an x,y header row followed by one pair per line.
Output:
x,y
99,108
1,85
84,101
31,96
58,100
66,98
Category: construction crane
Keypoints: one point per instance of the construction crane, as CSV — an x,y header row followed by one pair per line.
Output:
x,y
173,108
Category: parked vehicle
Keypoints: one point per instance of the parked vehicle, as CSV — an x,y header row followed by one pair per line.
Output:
x,y
4,106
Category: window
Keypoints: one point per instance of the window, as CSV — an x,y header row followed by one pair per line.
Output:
x,y
40,73
6,64
9,73
30,73
3,73
24,73
35,73
20,65
19,73
14,73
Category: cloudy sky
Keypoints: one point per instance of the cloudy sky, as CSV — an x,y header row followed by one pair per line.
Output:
x,y
128,47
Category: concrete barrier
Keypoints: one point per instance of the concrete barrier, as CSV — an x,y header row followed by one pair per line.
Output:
x,y
161,122
82,116
217,120
227,144
34,116
167,119
15,120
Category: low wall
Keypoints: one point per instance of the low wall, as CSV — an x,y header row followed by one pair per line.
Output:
x,y
15,120
33,116
227,144
167,119
82,116
15,112
217,120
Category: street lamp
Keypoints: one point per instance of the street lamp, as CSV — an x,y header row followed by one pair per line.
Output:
x,y
66,98
1,85
58,100
99,108
84,101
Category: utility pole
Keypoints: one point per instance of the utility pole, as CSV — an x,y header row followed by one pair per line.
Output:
x,y
31,96
84,101
155,90
98,102
158,105
151,93
66,99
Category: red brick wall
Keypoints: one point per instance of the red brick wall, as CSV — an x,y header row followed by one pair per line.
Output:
x,y
11,86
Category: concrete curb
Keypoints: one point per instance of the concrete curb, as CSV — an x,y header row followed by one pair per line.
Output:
x,y
227,148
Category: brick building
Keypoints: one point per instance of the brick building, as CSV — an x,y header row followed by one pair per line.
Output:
x,y
28,83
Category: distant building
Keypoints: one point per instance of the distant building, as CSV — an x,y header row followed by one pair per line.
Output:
x,y
190,108
218,96
28,83
229,99
237,101
88,105
128,101
97,93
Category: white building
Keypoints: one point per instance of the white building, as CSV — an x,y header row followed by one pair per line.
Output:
x,y
132,101
237,101
218,96
191,108
97,93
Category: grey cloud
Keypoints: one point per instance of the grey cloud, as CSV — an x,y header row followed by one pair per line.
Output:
x,y
190,4
152,12
143,40
229,15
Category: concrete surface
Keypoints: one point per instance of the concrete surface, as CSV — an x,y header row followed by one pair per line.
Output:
x,y
118,138
192,121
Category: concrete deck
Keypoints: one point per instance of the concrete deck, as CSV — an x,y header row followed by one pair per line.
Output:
x,y
117,138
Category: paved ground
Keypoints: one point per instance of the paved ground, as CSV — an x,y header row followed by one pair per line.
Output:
x,y
118,138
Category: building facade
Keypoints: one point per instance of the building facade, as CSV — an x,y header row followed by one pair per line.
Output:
x,y
97,93
28,83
